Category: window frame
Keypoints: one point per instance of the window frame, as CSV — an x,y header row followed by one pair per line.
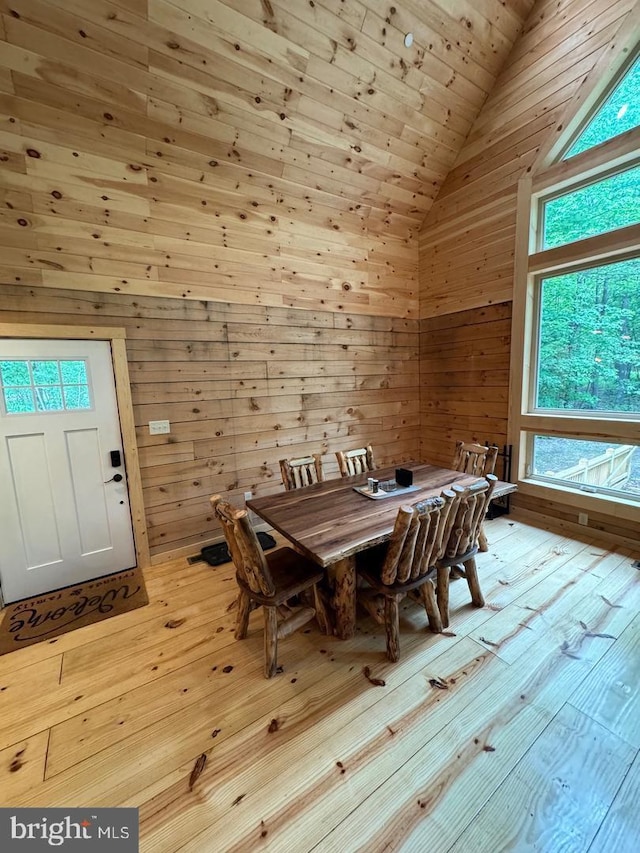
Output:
x,y
531,265
613,84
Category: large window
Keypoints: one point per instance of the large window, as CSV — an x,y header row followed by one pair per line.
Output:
x,y
579,421
600,206
588,342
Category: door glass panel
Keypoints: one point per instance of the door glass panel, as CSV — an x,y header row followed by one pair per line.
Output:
x,y
45,372
18,400
49,399
76,397
73,372
54,385
15,373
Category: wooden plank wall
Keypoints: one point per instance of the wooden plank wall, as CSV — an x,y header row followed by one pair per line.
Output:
x,y
243,387
467,241
464,370
147,149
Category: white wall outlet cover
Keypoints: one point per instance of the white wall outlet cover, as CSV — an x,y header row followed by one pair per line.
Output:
x,y
159,427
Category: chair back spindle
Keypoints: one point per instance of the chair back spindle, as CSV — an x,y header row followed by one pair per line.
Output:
x,y
475,459
304,471
244,547
418,539
472,506
358,461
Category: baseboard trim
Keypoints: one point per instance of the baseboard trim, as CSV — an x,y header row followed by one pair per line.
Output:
x,y
579,531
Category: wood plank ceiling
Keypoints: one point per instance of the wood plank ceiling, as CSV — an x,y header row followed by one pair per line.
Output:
x,y
297,143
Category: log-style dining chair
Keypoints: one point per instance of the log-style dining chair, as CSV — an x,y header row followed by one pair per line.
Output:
x,y
475,459
355,461
408,563
301,472
462,544
479,460
269,580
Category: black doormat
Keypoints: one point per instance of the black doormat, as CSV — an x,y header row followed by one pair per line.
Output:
x,y
215,555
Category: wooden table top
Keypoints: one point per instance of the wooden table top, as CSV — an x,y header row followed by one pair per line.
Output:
x,y
330,521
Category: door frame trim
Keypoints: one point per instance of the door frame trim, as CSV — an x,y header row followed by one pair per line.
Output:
x,y
116,337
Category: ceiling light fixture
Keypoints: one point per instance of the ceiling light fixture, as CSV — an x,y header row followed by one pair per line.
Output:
x,y
408,40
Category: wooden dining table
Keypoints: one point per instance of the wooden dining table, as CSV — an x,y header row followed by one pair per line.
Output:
x,y
330,522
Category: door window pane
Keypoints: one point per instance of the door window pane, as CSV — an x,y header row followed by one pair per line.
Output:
x,y
589,340
73,372
18,400
76,397
595,209
591,466
49,398
15,373
54,385
45,372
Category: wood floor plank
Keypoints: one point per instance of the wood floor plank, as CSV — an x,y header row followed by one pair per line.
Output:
x,y
611,693
319,757
566,607
22,766
380,728
620,830
93,686
557,795
433,797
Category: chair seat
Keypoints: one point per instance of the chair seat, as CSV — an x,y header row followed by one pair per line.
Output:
x,y
291,572
394,588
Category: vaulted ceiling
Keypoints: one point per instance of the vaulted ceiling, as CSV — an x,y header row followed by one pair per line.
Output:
x,y
323,98
281,152
303,101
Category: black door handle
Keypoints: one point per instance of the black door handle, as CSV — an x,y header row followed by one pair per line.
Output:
x,y
117,478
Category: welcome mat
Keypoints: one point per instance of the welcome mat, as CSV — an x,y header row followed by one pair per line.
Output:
x,y
53,613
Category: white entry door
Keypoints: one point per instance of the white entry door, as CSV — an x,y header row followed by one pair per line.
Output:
x,y
64,519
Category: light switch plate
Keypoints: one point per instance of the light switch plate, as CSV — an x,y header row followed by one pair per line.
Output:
x,y
159,427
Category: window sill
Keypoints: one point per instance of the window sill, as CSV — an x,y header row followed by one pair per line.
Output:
x,y
623,508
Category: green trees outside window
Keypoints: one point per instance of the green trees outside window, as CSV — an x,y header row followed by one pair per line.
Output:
x,y
589,340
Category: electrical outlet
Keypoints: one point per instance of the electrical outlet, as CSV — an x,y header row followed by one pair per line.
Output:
x,y
159,427
583,518
248,496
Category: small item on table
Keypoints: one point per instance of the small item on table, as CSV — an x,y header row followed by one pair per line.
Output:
x,y
388,485
372,484
404,477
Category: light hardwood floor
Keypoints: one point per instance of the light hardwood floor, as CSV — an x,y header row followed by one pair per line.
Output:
x,y
532,745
